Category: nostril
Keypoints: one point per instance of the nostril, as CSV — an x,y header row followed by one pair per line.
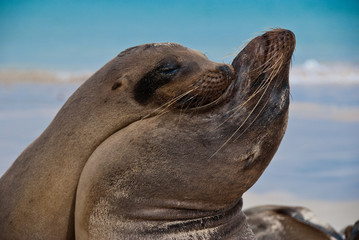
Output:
x,y
226,69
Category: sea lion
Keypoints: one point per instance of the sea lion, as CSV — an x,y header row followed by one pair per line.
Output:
x,y
160,143
351,232
288,223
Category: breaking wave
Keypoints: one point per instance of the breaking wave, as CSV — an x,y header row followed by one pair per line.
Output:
x,y
13,76
314,72
310,72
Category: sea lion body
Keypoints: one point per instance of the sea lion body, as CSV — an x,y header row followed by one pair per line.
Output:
x,y
160,143
288,223
351,232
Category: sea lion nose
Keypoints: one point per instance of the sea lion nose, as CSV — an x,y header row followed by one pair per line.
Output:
x,y
226,69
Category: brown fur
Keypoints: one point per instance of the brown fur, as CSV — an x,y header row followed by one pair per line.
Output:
x,y
157,139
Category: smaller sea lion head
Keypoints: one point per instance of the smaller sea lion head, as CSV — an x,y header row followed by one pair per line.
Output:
x,y
168,74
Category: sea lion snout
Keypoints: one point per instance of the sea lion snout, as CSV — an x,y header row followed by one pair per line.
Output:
x,y
265,61
211,86
280,42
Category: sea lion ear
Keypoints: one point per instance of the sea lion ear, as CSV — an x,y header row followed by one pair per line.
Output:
x,y
119,82
116,84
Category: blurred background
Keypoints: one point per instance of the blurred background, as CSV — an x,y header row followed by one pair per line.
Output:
x,y
47,48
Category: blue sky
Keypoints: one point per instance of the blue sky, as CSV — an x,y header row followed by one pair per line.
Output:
x,y
74,35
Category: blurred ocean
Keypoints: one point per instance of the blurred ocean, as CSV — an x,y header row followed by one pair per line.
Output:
x,y
86,34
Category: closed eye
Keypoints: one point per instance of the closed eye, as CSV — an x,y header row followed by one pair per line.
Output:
x,y
168,70
154,79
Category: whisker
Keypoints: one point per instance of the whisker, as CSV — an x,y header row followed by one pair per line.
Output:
x,y
189,101
208,104
253,120
166,105
245,120
265,65
262,84
240,106
277,68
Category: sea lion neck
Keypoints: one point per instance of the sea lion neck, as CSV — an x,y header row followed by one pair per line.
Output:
x,y
156,222
194,223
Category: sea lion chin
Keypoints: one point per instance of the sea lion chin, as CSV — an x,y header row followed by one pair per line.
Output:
x,y
160,143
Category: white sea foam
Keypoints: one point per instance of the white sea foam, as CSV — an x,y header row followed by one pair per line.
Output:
x,y
302,110
309,72
28,114
314,72
13,76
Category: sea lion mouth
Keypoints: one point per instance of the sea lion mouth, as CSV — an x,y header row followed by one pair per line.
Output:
x,y
210,90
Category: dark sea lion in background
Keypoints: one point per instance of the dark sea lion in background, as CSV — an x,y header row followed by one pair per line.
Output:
x,y
351,232
160,143
288,223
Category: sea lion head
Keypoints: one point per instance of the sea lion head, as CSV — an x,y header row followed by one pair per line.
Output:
x,y
168,74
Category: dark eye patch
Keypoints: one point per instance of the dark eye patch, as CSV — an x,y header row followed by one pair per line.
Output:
x,y
154,79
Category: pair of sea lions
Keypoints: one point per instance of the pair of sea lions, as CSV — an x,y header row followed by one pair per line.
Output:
x,y
160,143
